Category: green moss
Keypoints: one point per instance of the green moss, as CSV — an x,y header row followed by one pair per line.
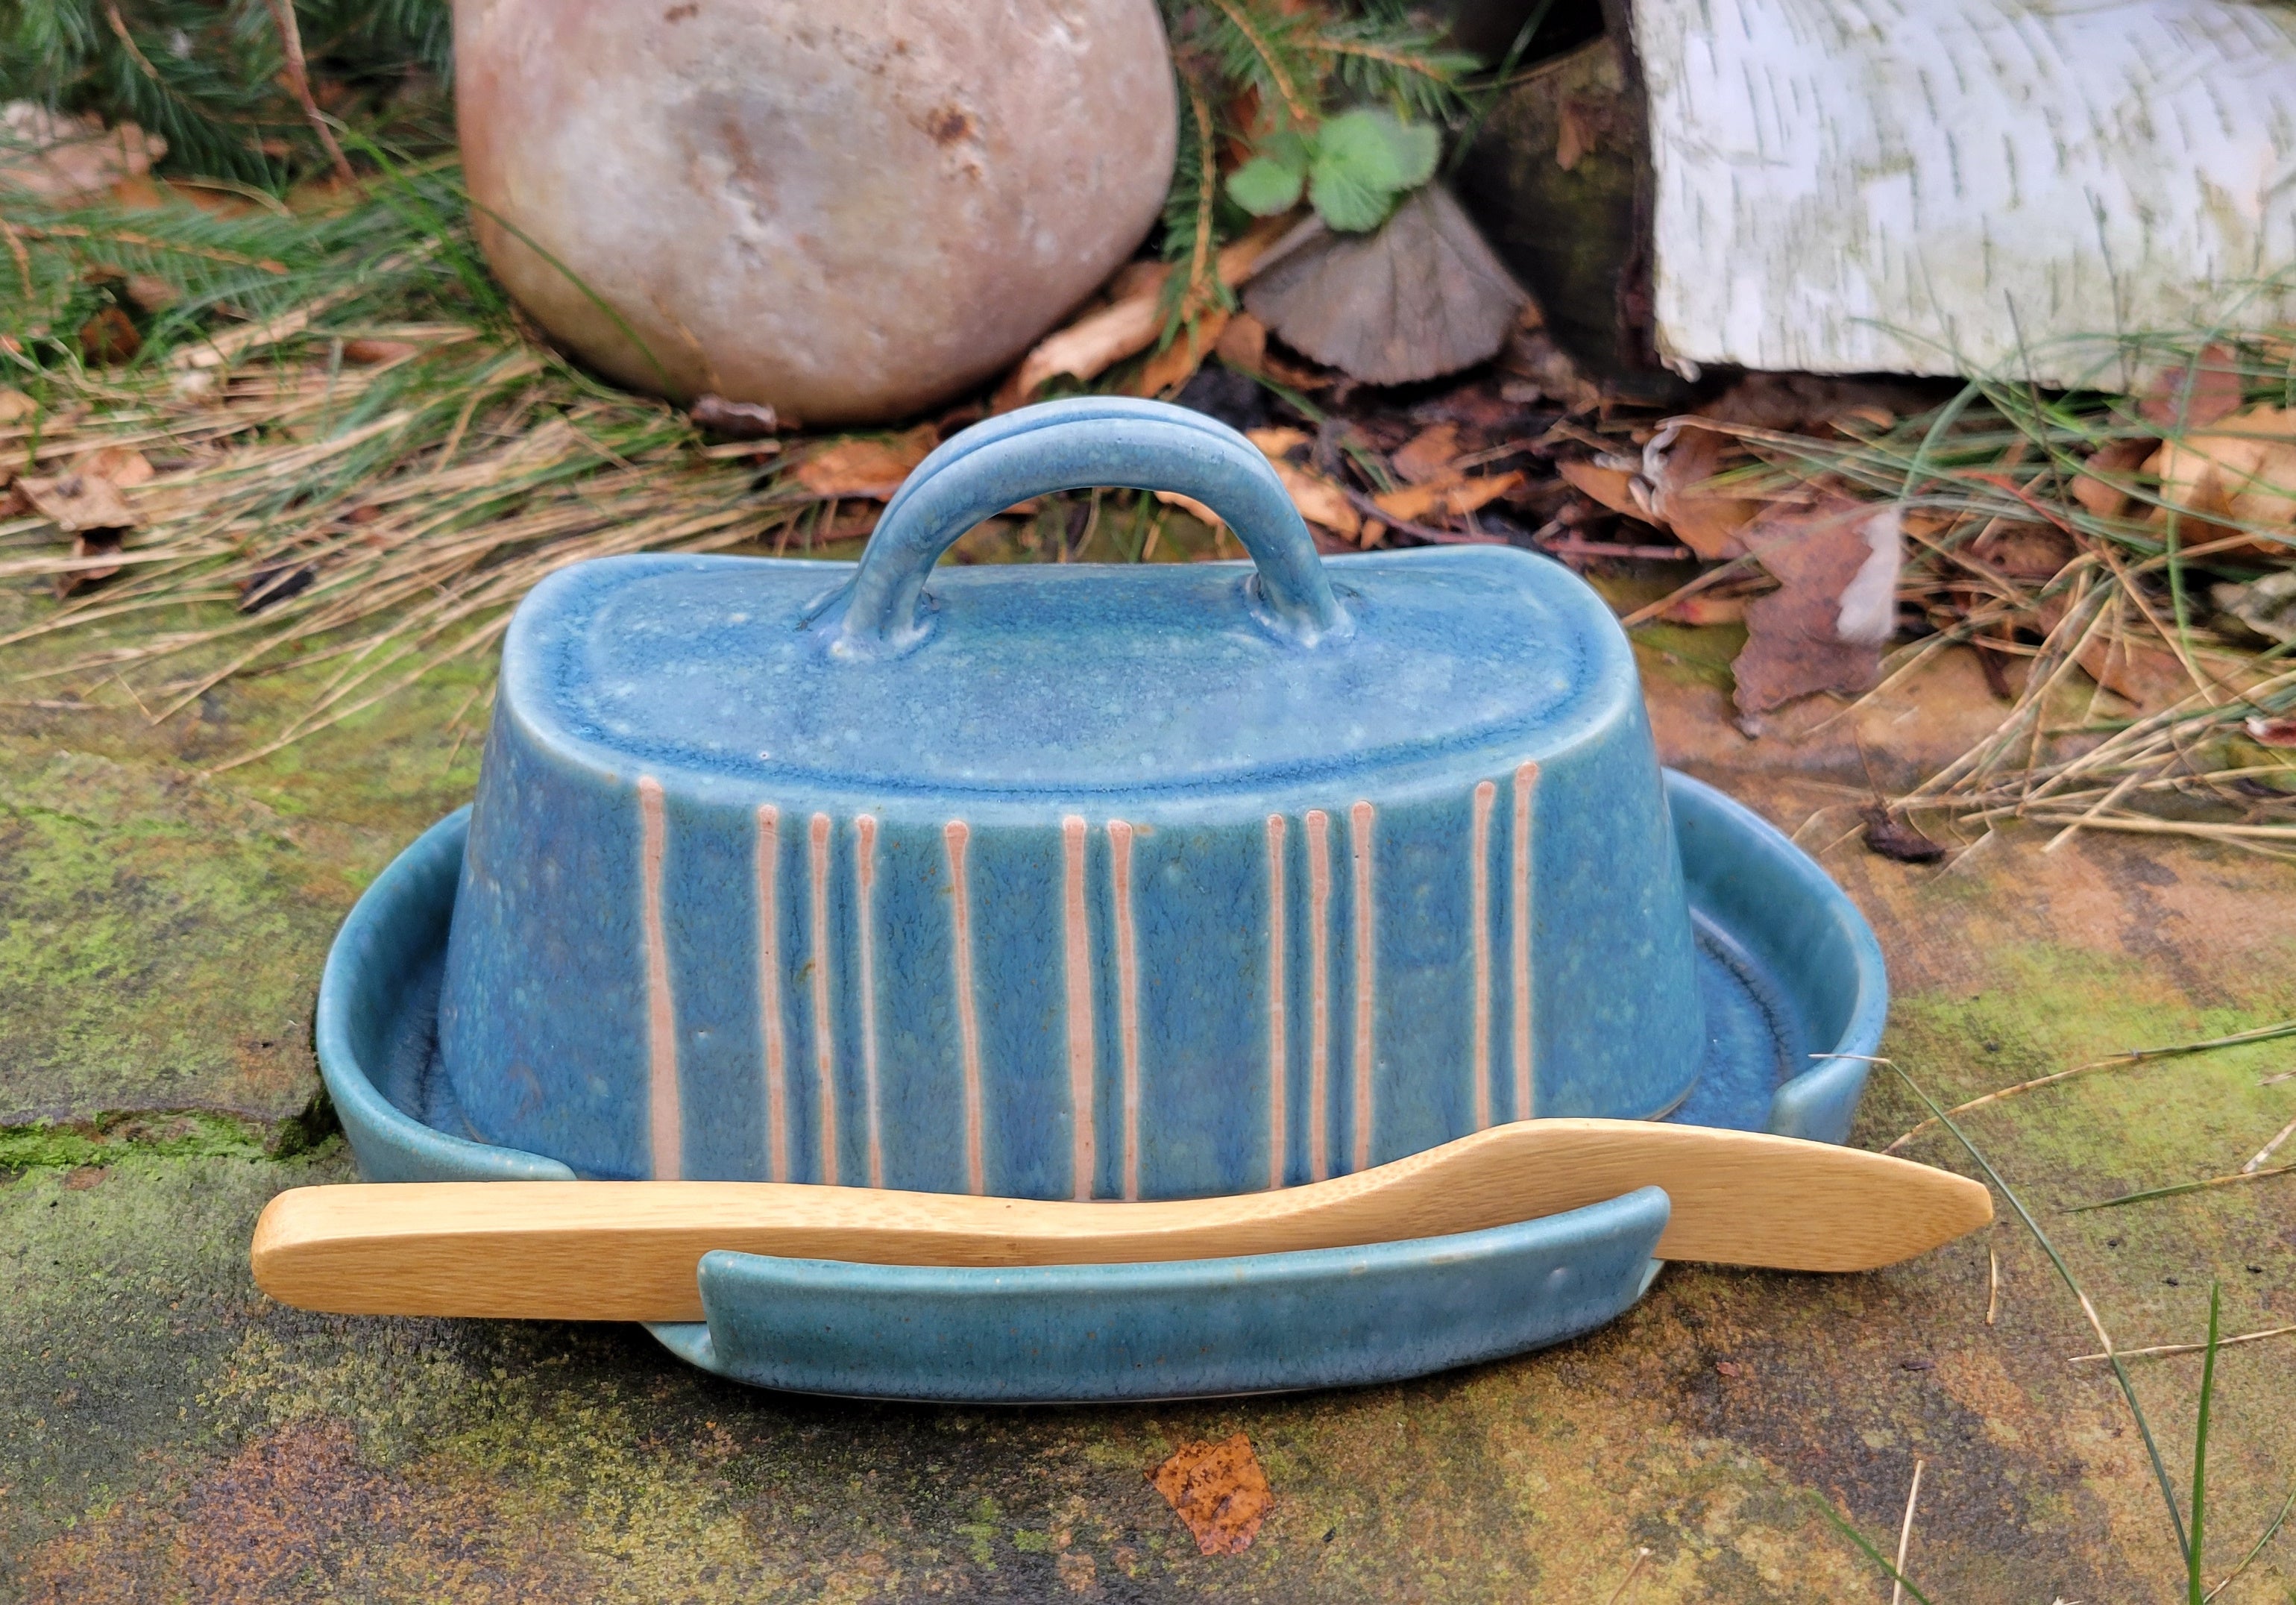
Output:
x,y
188,1136
1680,655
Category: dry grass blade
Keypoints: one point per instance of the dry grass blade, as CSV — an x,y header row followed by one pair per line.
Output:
x,y
376,521
2135,1056
2126,608
2158,1349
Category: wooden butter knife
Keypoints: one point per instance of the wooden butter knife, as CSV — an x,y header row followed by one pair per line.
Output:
x,y
627,1250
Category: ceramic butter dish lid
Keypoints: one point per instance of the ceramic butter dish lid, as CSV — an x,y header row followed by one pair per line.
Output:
x,y
1065,881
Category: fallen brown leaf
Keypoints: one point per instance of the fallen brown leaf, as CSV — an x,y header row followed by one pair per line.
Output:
x,y
1678,464
2024,551
2136,665
1276,441
95,543
2266,605
1450,498
2119,458
369,353
874,468
1612,487
2195,397
109,338
78,502
2242,472
151,293
1219,1491
1194,508
1809,402
16,406
735,419
1893,838
1177,363
57,156
1107,335
1318,499
1243,344
125,467
1822,629
1427,455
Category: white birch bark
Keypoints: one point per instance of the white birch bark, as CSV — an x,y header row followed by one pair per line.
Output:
x,y
1943,186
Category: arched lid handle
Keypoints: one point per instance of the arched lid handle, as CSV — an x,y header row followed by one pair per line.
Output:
x,y
1091,440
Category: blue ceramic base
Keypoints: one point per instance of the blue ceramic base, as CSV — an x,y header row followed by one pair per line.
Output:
x,y
1792,982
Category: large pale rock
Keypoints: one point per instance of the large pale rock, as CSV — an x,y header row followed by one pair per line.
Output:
x,y
847,211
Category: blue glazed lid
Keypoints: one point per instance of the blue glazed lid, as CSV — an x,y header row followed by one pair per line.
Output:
x,y
1065,683
1092,881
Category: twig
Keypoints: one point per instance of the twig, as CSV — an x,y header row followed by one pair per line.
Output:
x,y
1906,1534
2262,1033
2269,1150
1626,1581
1371,509
2150,1193
299,79
1992,1285
1710,578
1611,548
2186,1348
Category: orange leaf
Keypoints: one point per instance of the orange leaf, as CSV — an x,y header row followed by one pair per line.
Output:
x,y
1703,520
1612,487
1427,455
1318,499
872,468
1219,1491
1450,498
1176,364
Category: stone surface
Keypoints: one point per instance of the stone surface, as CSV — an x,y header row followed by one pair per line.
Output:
x,y
165,1432
846,213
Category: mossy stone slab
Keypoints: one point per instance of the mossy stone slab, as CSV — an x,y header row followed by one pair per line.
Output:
x,y
165,1432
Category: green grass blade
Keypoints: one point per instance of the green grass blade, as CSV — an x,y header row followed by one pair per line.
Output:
x,y
2119,1372
2151,1193
2270,1532
2193,1594
1872,1554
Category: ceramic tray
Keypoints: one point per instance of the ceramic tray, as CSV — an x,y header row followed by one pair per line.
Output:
x,y
1794,993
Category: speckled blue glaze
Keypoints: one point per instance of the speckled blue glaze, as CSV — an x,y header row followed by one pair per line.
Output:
x,y
1788,972
1065,881
1324,1318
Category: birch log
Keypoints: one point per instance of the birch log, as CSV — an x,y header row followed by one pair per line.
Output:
x,y
1956,187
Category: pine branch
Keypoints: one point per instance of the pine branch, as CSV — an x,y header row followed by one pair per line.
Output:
x,y
1191,220
1254,44
213,77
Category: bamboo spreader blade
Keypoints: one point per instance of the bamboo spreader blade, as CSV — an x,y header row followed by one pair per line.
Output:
x,y
627,1250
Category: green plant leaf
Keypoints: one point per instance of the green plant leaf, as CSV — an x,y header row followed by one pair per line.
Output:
x,y
1264,186
1363,160
1378,148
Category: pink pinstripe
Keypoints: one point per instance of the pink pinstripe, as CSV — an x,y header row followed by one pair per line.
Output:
x,y
664,1120
769,992
1127,995
1359,823
824,1037
1076,952
957,835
